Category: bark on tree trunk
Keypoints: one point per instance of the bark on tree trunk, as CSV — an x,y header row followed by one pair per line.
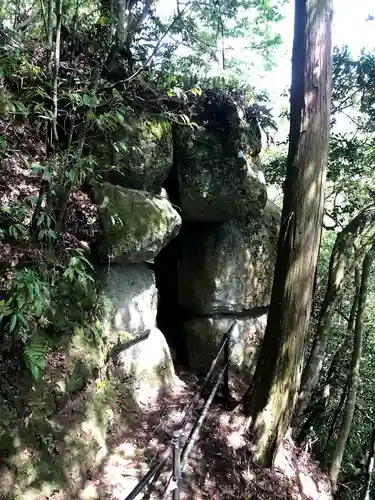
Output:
x,y
276,380
369,467
337,269
353,375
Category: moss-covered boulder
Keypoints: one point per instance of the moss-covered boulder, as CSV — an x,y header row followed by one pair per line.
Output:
x,y
136,225
217,161
228,267
142,153
202,337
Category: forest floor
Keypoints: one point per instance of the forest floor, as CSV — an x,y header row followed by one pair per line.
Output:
x,y
219,466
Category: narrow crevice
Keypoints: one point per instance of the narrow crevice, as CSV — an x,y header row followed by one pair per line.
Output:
x,y
166,274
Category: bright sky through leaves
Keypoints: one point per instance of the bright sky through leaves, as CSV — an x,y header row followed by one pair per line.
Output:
x,y
350,27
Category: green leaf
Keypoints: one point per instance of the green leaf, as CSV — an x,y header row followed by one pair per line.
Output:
x,y
20,299
87,262
21,318
120,117
38,307
86,100
13,322
34,356
41,219
73,261
196,91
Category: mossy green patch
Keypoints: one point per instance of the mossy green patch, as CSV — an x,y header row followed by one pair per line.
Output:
x,y
218,177
142,153
136,225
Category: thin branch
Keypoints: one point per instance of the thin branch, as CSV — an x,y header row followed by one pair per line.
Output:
x,y
352,119
56,68
44,17
157,46
18,44
343,105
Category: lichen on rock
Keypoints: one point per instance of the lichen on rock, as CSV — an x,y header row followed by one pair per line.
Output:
x,y
202,337
136,225
228,267
143,153
217,161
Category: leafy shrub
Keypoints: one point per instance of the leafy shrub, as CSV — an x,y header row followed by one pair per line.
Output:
x,y
42,303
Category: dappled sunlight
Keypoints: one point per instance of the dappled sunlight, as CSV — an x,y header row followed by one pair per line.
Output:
x,y
126,147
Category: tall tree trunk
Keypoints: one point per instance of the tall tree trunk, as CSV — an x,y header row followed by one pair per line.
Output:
x,y
271,400
323,397
337,268
369,467
353,375
335,419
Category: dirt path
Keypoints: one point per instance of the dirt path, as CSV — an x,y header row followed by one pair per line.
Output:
x,y
219,467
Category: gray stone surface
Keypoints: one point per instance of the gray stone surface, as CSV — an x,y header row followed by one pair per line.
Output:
x,y
228,267
146,367
136,224
202,337
219,170
131,291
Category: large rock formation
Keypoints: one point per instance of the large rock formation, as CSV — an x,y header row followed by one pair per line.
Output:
x,y
141,353
221,266
217,162
136,225
225,272
220,269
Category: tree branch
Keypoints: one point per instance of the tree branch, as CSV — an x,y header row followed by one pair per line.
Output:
x,y
176,18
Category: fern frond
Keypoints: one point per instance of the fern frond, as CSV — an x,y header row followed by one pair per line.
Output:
x,y
34,356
